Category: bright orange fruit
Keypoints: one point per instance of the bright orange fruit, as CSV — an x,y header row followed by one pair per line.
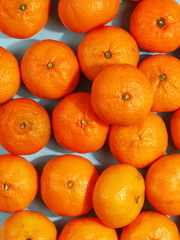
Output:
x,y
163,185
121,95
28,225
141,144
118,195
175,128
18,183
150,225
50,69
67,184
25,126
76,126
9,75
163,71
104,46
87,228
23,19
83,15
155,24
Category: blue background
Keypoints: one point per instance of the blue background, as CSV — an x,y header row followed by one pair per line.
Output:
x,y
103,158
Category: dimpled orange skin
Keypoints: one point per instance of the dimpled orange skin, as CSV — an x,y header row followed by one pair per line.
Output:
x,y
28,225
165,172
55,81
18,183
25,126
9,75
118,195
87,228
67,184
145,29
163,71
139,145
75,125
104,46
150,225
109,91
175,128
17,22
83,15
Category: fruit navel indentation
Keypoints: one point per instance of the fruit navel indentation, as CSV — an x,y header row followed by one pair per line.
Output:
x,y
161,22
69,184
22,126
50,65
107,54
125,96
138,138
137,199
84,123
22,7
6,186
162,77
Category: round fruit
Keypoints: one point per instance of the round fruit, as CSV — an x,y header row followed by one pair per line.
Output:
x,y
155,24
83,15
87,228
67,184
23,19
28,225
139,145
175,128
121,94
50,69
118,195
104,46
25,126
9,75
163,185
150,225
75,125
18,183
163,71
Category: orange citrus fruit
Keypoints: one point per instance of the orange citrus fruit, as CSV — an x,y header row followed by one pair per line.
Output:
x,y
87,228
163,71
104,46
50,69
150,225
118,195
76,126
28,225
67,184
23,19
9,75
163,185
141,144
155,24
175,128
83,15
25,126
121,95
18,183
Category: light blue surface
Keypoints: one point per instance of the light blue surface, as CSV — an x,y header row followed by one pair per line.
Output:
x,y
102,158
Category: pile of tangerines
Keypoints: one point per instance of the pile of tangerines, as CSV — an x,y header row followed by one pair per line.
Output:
x,y
122,107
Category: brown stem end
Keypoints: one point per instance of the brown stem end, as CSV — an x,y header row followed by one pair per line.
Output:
x,y
161,22
137,199
50,65
6,186
22,7
69,184
125,96
107,54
